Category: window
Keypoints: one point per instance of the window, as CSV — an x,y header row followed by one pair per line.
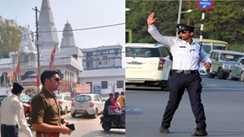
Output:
x,y
142,52
120,84
96,98
242,61
67,98
104,84
230,57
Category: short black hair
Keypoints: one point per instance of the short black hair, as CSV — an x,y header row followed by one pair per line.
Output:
x,y
48,74
17,88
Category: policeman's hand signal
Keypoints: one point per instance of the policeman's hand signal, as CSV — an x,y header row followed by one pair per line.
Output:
x,y
151,19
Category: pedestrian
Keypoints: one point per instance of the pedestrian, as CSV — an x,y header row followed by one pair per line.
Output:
x,y
46,115
186,57
12,114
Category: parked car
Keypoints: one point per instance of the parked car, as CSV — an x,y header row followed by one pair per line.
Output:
x,y
64,100
237,71
87,104
2,97
222,60
147,64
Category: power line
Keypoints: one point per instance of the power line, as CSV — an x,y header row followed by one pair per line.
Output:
x,y
88,28
77,29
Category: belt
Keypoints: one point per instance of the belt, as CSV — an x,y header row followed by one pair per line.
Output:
x,y
185,71
4,125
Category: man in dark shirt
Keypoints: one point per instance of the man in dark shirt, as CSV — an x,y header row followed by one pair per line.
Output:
x,y
46,118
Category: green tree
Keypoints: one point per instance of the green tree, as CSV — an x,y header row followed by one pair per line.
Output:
x,y
224,22
9,39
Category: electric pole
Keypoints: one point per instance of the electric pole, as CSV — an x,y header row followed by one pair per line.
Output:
x,y
38,51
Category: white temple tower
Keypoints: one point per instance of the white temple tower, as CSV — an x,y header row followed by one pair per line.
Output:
x,y
48,38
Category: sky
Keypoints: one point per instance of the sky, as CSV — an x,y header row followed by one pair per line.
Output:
x,y
79,13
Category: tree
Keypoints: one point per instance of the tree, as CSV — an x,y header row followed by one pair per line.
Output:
x,y
224,22
10,37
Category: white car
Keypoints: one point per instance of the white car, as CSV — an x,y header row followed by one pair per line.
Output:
x,y
64,99
147,64
87,104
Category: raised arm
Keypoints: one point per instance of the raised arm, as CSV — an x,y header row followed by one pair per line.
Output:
x,y
155,33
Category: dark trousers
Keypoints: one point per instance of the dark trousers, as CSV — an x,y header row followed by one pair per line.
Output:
x,y
178,82
9,131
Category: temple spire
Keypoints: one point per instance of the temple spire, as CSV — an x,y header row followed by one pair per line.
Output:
x,y
48,37
68,36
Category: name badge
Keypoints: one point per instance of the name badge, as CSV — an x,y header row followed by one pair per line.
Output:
x,y
182,46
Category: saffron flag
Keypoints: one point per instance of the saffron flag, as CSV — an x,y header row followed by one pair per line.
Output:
x,y
52,58
17,68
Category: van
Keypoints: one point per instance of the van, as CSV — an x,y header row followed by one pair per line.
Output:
x,y
147,64
222,60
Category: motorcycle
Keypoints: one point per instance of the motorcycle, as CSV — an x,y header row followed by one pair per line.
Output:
x,y
113,120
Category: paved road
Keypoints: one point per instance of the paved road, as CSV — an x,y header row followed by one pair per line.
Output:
x,y
223,101
89,127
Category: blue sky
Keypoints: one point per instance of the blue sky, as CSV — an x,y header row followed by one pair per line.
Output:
x,y
79,13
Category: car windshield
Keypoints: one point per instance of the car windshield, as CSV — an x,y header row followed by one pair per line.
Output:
x,y
142,52
83,98
58,97
230,57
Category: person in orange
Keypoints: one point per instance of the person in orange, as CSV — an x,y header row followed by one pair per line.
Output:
x,y
121,101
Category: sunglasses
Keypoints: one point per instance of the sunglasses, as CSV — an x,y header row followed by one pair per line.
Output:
x,y
182,31
57,79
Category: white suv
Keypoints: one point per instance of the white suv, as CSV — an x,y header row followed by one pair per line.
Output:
x,y
147,64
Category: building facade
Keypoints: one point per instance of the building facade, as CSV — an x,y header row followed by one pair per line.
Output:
x,y
103,69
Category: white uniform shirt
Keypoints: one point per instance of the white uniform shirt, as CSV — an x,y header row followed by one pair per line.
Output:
x,y
186,56
12,113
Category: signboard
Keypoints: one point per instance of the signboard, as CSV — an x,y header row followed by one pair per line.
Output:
x,y
205,5
83,88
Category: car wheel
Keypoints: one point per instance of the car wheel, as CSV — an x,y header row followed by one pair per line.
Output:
x,y
242,77
164,85
220,74
211,75
73,115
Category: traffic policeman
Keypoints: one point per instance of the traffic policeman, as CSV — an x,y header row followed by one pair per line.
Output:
x,y
46,118
186,57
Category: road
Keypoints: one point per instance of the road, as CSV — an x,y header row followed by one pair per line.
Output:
x,y
223,101
88,127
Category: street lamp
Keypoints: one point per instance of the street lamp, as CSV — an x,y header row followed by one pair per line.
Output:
x,y
37,49
181,12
